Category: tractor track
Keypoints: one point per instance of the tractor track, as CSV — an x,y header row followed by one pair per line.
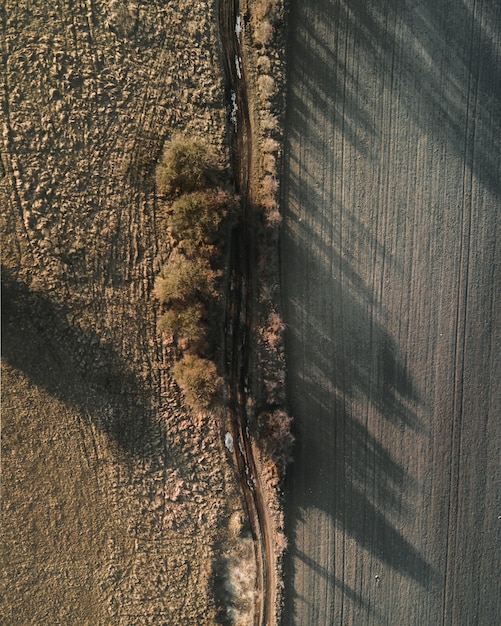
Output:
x,y
239,312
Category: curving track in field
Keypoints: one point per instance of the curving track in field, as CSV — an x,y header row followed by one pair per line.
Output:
x,y
239,315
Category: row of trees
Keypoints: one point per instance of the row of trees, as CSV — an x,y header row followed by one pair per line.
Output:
x,y
199,215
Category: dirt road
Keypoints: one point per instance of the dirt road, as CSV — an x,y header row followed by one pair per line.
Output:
x,y
239,316
391,272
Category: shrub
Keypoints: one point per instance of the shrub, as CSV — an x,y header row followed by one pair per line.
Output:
x,y
270,145
191,249
197,216
276,437
268,121
185,324
264,64
269,193
184,167
269,185
198,380
184,280
273,216
197,213
270,165
282,541
266,85
274,329
265,8
264,32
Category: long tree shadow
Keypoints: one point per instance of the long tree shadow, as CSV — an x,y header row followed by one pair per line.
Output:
x,y
363,76
350,361
344,365
440,60
76,367
344,487
346,590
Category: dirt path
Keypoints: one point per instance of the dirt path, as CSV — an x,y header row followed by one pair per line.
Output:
x,y
391,271
239,316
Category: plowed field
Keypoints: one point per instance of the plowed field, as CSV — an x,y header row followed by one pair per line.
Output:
x,y
391,270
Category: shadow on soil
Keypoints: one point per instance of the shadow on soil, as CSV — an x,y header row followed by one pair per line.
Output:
x,y
440,61
438,65
350,366
75,367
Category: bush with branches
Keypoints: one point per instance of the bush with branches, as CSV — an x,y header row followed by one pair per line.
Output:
x,y
197,216
198,379
185,166
275,435
186,324
186,285
184,279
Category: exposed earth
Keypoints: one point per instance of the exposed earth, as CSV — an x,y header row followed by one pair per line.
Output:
x,y
119,505
391,274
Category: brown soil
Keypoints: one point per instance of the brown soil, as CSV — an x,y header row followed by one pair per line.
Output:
x,y
119,502
116,499
391,269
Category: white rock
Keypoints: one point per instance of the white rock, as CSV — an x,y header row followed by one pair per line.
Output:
x,y
228,442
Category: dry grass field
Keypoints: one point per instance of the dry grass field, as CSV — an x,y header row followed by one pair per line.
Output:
x,y
391,267
116,500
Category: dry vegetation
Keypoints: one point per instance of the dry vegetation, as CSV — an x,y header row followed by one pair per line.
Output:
x,y
116,499
265,61
198,221
235,574
185,166
264,47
